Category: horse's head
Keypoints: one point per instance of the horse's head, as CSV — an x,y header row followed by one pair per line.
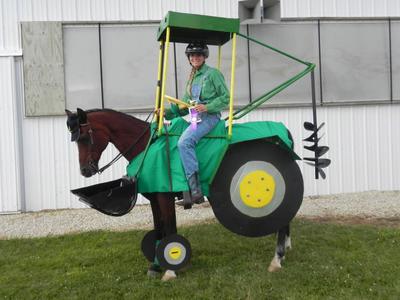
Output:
x,y
91,137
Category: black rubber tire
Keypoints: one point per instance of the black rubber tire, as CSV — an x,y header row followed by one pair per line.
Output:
x,y
220,198
169,262
149,245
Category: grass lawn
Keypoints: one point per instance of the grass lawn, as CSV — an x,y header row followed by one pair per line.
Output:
x,y
327,262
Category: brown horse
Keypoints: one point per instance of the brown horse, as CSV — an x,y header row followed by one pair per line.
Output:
x,y
92,130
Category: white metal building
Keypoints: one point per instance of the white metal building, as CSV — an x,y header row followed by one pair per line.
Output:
x,y
39,165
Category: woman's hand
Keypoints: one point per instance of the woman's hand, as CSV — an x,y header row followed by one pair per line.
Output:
x,y
201,108
157,112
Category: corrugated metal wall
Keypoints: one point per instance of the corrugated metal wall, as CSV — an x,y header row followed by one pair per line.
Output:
x,y
364,140
12,12
364,143
339,8
10,197
48,161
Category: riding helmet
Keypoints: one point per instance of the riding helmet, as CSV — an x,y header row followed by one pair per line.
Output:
x,y
199,48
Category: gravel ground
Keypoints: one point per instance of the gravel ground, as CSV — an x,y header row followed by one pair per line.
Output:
x,y
366,207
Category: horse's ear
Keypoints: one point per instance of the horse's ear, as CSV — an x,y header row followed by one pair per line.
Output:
x,y
82,116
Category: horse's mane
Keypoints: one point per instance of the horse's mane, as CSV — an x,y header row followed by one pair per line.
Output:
x,y
112,111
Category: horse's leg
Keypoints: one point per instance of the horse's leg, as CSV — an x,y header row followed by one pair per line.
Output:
x,y
154,268
166,203
288,242
283,242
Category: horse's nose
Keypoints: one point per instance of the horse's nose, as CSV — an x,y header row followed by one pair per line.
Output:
x,y
86,171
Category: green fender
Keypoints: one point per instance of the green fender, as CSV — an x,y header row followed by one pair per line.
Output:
x,y
274,131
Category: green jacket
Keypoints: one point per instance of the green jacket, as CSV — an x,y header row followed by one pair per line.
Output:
x,y
214,92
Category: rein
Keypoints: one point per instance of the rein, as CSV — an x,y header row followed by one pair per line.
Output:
x,y
121,154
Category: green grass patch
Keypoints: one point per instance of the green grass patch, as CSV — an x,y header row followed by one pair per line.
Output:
x,y
327,262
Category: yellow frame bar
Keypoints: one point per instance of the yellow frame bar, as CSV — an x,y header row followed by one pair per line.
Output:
x,y
164,78
157,105
232,85
219,58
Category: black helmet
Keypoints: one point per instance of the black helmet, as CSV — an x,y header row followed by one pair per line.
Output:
x,y
199,48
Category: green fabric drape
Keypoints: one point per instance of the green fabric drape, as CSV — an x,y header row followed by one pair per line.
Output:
x,y
210,150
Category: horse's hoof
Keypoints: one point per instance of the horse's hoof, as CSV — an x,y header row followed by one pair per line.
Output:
x,y
274,268
169,275
154,271
275,265
152,274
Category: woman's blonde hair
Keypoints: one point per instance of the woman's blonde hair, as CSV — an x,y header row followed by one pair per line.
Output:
x,y
190,81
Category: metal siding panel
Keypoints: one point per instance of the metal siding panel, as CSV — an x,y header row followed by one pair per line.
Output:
x,y
155,10
359,150
210,7
316,8
384,150
54,10
355,8
9,171
393,7
39,9
32,165
98,10
112,11
24,10
126,9
13,12
69,11
362,157
342,8
303,8
395,145
356,161
362,146
334,141
373,144
380,8
339,8
9,30
368,8
183,6
83,10
344,161
141,10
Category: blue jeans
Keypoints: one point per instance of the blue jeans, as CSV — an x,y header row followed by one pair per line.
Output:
x,y
189,138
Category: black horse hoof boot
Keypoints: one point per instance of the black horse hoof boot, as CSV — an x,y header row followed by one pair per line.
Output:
x,y
195,189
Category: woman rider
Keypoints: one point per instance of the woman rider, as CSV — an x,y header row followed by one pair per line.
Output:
x,y
205,88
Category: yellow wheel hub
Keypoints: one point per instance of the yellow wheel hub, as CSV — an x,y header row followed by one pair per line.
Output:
x,y
175,252
257,189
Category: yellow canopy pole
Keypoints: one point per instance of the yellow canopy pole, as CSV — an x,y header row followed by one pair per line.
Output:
x,y
164,77
232,85
219,58
157,105
178,102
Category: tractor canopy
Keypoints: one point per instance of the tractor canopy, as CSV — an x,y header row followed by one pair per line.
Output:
x,y
188,28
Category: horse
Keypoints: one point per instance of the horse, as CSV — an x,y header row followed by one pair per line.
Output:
x,y
93,130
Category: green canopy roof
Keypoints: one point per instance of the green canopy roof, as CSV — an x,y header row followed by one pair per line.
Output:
x,y
187,28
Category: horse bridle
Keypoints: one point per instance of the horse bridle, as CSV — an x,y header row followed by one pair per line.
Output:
x,y
120,154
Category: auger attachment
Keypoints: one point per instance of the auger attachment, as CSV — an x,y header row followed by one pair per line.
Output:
x,y
317,162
